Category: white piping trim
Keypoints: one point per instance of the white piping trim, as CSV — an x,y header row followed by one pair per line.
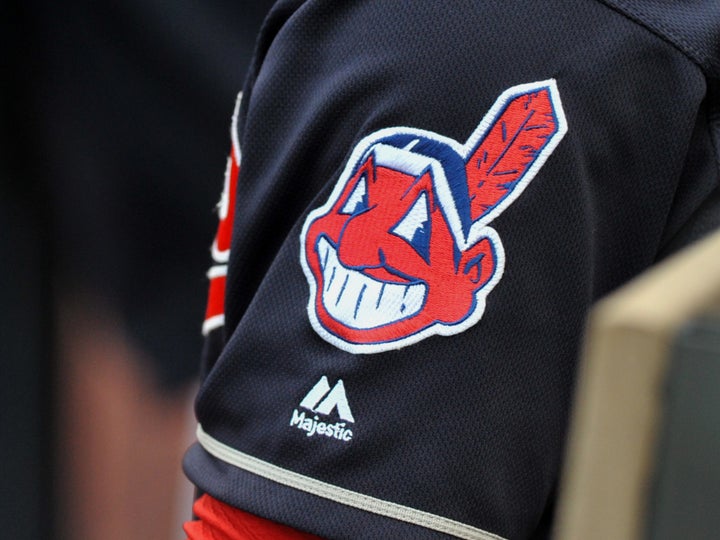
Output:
x,y
234,129
217,271
212,323
337,494
219,256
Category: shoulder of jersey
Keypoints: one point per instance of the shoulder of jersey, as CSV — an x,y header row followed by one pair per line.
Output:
x,y
691,26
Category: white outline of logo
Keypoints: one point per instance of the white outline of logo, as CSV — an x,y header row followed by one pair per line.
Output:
x,y
477,230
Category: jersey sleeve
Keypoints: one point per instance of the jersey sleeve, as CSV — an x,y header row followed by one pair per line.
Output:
x,y
219,521
429,202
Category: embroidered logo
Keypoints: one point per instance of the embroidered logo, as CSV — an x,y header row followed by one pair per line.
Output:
x,y
323,400
402,249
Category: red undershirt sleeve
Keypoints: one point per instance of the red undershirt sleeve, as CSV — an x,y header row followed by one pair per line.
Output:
x,y
218,521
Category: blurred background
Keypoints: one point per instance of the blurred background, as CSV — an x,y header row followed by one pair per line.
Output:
x,y
114,133
115,129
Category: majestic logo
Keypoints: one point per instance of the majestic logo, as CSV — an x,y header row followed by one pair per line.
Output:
x,y
322,400
402,249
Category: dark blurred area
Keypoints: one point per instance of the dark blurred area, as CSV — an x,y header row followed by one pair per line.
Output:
x,y
132,103
115,128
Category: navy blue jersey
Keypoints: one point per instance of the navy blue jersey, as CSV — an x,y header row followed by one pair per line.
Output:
x,y
421,204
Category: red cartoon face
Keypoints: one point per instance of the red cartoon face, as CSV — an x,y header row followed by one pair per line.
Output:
x,y
400,250
386,262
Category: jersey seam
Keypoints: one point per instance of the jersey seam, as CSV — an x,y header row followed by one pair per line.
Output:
x,y
660,30
714,119
713,127
338,494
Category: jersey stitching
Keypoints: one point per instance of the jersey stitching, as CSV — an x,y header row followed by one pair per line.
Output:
x,y
337,494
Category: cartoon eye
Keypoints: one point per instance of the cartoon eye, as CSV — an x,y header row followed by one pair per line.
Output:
x,y
358,199
414,227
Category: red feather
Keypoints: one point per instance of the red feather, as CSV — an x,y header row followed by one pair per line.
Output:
x,y
508,150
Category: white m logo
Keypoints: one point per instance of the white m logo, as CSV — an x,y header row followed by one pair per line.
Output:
x,y
322,400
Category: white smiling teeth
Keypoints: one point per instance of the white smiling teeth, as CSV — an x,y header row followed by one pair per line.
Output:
x,y
359,301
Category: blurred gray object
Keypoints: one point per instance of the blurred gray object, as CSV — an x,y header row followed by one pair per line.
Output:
x,y
643,458
685,498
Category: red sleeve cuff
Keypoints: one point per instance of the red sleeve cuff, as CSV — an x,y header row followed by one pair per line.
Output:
x,y
218,521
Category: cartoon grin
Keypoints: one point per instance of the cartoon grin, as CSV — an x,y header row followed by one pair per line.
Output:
x,y
361,301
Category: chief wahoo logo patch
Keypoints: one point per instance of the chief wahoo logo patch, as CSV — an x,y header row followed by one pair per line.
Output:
x,y
402,249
